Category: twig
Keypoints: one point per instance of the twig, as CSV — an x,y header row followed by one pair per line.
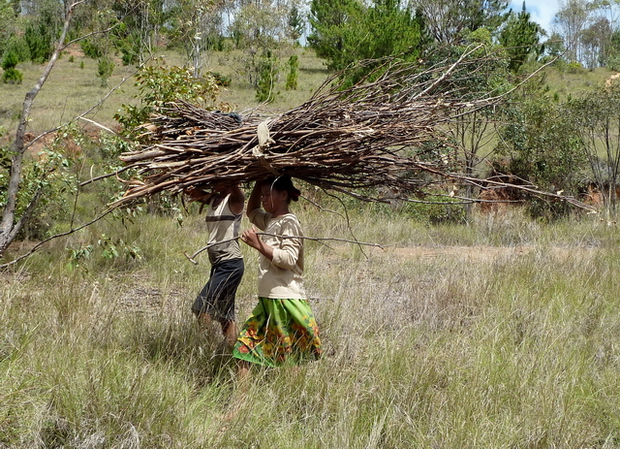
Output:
x,y
314,239
53,237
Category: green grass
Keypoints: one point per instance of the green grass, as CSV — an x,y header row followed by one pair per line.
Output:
x,y
573,83
432,348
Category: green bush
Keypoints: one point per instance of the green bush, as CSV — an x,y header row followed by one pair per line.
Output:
x,y
220,80
157,85
291,79
91,49
267,76
12,76
575,67
39,40
105,67
9,60
18,50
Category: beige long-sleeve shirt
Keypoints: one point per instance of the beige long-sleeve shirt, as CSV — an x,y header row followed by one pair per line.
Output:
x,y
280,278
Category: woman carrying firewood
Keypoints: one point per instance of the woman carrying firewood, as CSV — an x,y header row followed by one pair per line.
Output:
x,y
216,300
282,328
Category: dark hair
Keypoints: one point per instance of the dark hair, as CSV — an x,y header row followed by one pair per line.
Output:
x,y
283,184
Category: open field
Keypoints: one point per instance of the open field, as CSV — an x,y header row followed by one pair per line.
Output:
x,y
502,333
499,333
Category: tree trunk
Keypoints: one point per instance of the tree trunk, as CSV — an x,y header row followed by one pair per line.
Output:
x,y
10,225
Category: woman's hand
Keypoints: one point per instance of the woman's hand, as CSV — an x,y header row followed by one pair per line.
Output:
x,y
251,238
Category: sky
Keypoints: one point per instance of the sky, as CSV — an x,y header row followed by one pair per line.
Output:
x,y
542,11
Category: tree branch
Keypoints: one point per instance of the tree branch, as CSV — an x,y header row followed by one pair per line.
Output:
x,y
314,239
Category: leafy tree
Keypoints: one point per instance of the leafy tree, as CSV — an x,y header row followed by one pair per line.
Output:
x,y
8,21
446,20
14,218
596,118
141,22
539,143
261,28
596,43
39,36
521,38
474,131
268,74
296,23
105,67
197,26
158,85
335,33
554,46
613,60
571,20
9,62
346,31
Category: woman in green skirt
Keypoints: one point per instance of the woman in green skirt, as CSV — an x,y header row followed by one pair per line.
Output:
x,y
281,329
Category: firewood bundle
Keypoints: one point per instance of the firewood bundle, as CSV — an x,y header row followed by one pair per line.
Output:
x,y
345,139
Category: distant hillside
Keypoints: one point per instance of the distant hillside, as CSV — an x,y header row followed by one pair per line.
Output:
x,y
573,82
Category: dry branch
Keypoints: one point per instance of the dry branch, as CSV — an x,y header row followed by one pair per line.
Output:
x,y
379,132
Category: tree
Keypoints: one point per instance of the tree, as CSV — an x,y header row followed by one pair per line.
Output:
x,y
521,39
141,22
261,29
9,62
446,20
344,32
474,131
334,32
296,23
596,43
596,118
11,224
571,20
8,19
539,143
197,26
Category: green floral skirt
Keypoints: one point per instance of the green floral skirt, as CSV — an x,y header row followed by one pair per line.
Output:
x,y
279,332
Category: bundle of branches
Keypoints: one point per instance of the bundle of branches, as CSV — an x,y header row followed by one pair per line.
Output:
x,y
344,138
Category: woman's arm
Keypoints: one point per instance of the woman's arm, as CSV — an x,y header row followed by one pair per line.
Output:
x,y
254,201
236,200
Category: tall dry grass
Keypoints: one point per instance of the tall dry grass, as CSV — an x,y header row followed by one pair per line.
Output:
x,y
480,335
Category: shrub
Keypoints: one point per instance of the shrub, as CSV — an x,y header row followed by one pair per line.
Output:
x,y
91,49
291,79
39,40
105,68
18,49
9,60
267,76
220,80
12,76
159,85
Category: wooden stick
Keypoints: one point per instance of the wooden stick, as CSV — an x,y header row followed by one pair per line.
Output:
x,y
314,239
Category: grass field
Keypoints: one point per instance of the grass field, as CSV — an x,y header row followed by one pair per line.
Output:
x,y
499,333
502,333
